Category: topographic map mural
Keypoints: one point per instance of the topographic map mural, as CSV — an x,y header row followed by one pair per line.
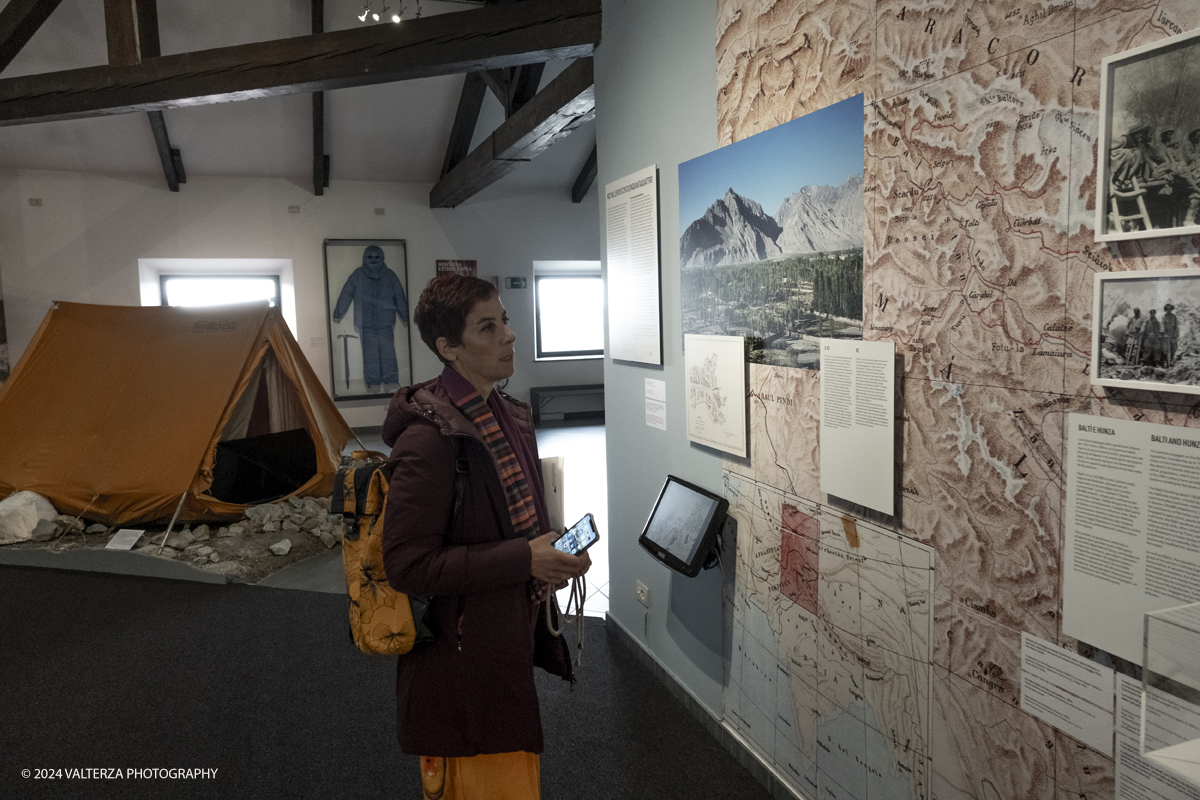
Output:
x,y
879,657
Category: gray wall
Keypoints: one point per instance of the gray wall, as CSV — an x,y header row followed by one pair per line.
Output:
x,y
656,104
82,244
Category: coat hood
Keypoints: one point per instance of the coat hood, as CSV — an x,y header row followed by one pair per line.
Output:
x,y
424,403
375,271
427,403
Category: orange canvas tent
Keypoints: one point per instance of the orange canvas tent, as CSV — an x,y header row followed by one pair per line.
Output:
x,y
113,412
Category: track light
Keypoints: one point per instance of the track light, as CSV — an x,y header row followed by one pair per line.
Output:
x,y
375,16
396,17
365,10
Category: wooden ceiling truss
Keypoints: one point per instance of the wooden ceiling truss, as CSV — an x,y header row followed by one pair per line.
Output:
x,y
587,176
567,102
320,159
131,27
504,46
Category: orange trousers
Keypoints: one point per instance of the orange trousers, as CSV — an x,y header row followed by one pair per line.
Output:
x,y
500,776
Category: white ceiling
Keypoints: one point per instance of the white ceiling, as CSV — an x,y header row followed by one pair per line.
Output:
x,y
389,132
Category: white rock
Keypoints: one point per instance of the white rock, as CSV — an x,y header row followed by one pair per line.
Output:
x,y
328,539
224,533
96,528
20,513
202,533
282,547
45,530
203,550
213,557
179,539
271,526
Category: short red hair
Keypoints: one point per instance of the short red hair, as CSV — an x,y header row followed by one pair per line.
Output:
x,y
444,306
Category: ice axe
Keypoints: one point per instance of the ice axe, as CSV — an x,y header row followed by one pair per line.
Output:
x,y
345,337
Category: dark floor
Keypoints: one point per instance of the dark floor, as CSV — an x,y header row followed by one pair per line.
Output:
x,y
104,671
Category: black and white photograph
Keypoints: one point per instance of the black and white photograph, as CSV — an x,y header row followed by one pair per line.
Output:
x,y
781,279
1149,173
366,295
1146,332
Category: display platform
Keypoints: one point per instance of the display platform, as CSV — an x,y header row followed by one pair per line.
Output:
x,y
1171,691
119,562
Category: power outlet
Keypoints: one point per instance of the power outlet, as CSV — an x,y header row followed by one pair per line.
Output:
x,y
643,594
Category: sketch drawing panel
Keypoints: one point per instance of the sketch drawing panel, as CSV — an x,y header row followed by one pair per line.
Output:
x,y
1149,151
1146,330
715,367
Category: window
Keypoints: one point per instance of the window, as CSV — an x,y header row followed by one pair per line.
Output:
x,y
151,272
217,290
569,320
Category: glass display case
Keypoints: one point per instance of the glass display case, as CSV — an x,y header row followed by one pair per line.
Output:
x,y
1170,734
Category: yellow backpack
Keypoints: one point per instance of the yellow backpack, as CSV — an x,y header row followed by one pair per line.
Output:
x,y
382,620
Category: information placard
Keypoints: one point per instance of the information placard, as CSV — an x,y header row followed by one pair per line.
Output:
x,y
634,302
1133,492
858,402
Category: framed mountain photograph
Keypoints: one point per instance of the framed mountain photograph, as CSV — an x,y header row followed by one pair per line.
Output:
x,y
771,247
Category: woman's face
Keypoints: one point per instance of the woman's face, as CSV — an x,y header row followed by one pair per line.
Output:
x,y
486,353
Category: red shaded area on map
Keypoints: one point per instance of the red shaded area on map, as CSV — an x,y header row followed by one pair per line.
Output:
x,y
801,538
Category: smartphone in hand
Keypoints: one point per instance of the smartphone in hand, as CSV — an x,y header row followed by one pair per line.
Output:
x,y
579,537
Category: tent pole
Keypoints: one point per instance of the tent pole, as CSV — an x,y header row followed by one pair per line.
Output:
x,y
167,535
361,446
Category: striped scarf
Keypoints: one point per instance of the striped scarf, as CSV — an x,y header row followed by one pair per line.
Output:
x,y
521,508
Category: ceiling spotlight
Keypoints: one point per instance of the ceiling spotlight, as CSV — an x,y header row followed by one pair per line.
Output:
x,y
375,16
396,17
365,10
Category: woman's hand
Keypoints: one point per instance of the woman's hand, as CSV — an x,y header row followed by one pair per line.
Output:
x,y
554,566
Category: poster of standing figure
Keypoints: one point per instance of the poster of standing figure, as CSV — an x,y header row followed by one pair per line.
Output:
x,y
366,296
782,279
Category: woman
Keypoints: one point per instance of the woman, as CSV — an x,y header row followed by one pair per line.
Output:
x,y
466,702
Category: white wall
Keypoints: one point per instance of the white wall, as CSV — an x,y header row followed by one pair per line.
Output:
x,y
656,104
83,244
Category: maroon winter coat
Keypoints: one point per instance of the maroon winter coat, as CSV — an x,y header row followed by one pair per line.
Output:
x,y
470,691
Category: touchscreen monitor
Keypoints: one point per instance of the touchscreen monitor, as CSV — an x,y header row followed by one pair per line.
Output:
x,y
684,525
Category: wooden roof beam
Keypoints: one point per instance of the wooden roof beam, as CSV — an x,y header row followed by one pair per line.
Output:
x,y
320,159
19,21
514,87
121,29
492,37
470,101
566,103
171,158
587,176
